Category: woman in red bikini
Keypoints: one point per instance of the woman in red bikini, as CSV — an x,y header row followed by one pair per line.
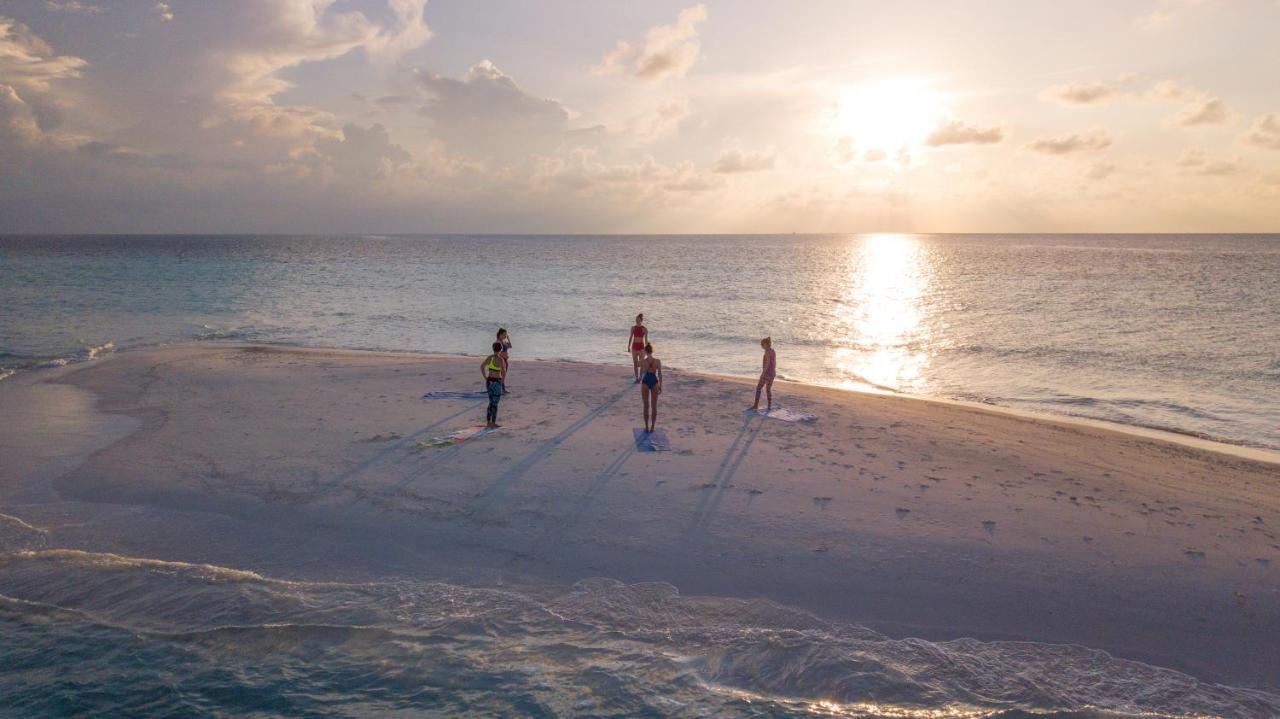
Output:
x,y
636,341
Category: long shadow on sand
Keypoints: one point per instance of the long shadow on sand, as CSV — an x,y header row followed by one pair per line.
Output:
x,y
554,534
503,484
723,478
342,479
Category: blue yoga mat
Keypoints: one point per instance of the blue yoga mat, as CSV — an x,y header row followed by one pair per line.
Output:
x,y
448,394
655,441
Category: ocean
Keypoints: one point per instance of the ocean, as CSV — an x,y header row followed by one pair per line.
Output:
x,y
1180,333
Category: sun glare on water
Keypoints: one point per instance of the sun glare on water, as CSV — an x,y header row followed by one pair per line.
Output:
x,y
888,115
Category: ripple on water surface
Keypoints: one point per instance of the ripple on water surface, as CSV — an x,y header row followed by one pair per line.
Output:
x,y
101,634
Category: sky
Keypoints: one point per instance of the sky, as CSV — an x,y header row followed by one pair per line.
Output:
x,y
740,116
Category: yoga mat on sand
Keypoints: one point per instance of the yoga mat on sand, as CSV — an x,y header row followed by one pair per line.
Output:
x,y
458,437
449,394
786,415
655,441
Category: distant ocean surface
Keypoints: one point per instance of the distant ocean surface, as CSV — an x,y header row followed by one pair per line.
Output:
x,y
1173,332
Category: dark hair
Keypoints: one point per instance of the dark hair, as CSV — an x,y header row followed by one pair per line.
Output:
x,y
502,331
648,348
640,318
497,346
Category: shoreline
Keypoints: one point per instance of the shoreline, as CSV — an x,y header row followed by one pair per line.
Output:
x,y
774,507
1240,448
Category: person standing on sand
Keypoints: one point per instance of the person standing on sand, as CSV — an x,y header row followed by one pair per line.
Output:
x,y
494,370
768,370
650,387
636,342
504,339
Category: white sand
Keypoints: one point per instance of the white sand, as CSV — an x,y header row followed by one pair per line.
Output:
x,y
911,517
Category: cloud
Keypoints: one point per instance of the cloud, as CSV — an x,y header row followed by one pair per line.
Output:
x,y
1195,162
72,6
1084,93
32,102
1202,108
956,132
1071,144
1166,12
17,120
1265,132
736,161
364,152
648,178
1204,111
1100,171
487,113
667,51
27,62
163,12
664,119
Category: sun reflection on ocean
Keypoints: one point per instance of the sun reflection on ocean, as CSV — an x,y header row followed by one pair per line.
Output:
x,y
881,314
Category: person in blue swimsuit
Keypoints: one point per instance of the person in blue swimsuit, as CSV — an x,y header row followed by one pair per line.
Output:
x,y
650,387
494,369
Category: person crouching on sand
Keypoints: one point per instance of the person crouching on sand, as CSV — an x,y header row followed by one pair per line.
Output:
x,y
494,369
636,341
768,370
650,387
504,339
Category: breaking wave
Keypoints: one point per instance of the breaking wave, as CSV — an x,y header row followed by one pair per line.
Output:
x,y
106,634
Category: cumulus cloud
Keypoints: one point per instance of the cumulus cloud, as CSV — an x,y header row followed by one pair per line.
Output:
x,y
27,62
72,6
163,12
736,161
1165,13
1100,171
957,132
667,50
1265,132
17,120
1204,111
1085,93
1195,162
486,112
585,174
1071,144
663,120
364,152
1201,107
32,102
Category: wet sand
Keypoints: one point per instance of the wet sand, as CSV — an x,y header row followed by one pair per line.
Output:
x,y
911,517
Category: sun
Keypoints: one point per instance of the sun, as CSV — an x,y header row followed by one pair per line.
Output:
x,y
887,116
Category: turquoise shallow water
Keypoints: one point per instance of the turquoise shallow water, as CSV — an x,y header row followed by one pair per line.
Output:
x,y
1173,332
1178,332
105,635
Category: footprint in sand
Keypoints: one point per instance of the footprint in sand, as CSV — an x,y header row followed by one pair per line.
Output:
x,y
1194,555
821,502
989,526
901,512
